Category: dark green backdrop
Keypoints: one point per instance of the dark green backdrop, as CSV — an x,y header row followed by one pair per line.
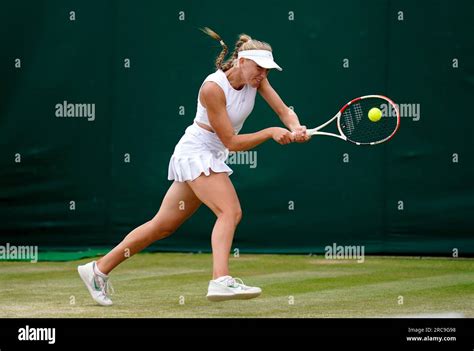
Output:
x,y
138,113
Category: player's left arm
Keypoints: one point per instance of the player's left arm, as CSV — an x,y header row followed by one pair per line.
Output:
x,y
286,114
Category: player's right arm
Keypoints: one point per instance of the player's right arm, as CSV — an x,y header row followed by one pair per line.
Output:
x,y
213,99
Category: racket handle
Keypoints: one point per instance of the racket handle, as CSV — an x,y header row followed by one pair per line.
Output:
x,y
308,132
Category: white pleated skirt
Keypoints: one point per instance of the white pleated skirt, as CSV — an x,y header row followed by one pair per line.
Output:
x,y
198,151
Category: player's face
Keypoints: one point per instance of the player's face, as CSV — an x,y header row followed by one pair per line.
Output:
x,y
253,73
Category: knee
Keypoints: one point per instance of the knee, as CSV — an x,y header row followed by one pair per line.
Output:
x,y
238,216
234,215
160,230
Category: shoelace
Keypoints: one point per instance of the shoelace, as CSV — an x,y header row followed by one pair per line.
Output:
x,y
235,282
105,286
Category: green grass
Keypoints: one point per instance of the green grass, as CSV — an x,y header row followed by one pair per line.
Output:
x,y
150,285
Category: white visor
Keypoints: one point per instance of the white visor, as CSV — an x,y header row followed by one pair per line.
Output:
x,y
263,58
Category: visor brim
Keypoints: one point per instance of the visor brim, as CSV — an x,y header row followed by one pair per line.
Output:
x,y
266,63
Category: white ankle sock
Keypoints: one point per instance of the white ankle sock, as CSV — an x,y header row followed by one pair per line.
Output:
x,y
98,272
222,278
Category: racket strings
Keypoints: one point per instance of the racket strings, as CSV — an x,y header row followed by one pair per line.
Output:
x,y
357,127
349,121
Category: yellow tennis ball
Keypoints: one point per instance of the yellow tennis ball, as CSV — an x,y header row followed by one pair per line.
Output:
x,y
375,114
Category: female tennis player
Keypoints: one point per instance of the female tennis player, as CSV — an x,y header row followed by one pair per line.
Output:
x,y
198,169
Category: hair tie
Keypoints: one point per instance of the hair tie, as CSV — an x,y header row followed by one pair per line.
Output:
x,y
222,42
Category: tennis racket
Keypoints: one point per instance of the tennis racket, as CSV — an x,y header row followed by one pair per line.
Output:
x,y
354,125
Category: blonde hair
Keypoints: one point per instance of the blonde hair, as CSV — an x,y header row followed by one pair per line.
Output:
x,y
245,42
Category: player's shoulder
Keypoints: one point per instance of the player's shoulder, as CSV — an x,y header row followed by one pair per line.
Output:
x,y
211,88
212,93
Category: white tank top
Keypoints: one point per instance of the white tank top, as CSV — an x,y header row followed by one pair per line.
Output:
x,y
239,103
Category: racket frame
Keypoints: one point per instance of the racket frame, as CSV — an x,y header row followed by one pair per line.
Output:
x,y
341,135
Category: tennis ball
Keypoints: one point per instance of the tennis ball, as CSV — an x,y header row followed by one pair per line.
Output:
x,y
375,114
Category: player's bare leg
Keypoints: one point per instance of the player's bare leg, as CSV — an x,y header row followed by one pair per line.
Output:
x,y
217,192
178,204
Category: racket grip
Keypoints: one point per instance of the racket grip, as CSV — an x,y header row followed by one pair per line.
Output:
x,y
308,132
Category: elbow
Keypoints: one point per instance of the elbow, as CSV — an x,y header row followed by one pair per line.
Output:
x,y
228,144
231,144
235,146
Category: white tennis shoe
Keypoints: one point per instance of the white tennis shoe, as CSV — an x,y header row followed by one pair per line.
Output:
x,y
99,287
228,288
